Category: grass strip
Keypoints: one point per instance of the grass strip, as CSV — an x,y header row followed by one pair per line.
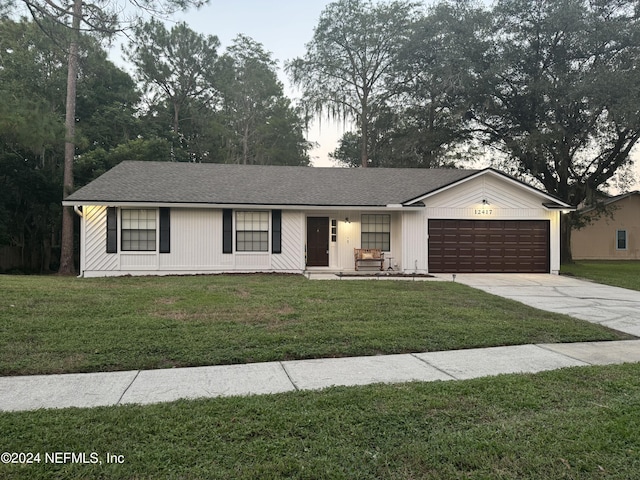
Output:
x,y
622,273
572,423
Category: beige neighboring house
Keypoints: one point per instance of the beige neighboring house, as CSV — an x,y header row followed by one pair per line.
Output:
x,y
614,236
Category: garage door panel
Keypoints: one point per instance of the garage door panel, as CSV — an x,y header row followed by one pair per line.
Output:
x,y
508,246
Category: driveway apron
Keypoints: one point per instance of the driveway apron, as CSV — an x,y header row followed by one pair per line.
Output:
x,y
613,307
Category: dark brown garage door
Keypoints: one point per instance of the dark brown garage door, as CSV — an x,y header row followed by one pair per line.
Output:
x,y
489,246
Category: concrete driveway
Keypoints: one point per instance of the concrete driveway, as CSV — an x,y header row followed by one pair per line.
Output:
x,y
614,307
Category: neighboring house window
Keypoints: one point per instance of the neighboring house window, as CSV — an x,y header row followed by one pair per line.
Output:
x,y
621,240
376,232
252,231
139,230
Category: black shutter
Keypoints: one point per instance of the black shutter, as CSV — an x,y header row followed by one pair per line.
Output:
x,y
112,230
276,231
165,230
227,231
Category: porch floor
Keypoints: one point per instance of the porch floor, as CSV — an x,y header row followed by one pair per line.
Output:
x,y
366,275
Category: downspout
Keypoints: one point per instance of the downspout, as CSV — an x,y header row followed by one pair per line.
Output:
x,y
76,208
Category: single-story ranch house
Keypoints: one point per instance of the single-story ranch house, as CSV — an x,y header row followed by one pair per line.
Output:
x,y
161,218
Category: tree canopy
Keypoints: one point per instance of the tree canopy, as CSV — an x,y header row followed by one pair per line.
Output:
x,y
71,19
262,127
559,93
32,84
553,87
226,108
113,123
176,65
349,66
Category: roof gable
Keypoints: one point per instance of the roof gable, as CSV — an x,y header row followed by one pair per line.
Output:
x,y
549,201
609,201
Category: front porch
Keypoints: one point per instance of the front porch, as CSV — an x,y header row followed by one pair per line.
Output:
x,y
327,274
332,237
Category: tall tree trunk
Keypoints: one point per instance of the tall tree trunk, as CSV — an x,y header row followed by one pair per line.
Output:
x,y
364,150
66,246
176,118
175,127
245,144
566,224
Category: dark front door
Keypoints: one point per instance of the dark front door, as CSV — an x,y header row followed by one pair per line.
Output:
x,y
317,241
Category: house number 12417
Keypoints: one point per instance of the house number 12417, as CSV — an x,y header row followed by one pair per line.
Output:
x,y
482,211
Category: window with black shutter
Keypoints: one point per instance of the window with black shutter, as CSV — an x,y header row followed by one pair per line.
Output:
x,y
227,231
276,231
112,230
165,230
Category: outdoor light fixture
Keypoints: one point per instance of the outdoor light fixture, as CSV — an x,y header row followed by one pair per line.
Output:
x,y
346,220
485,201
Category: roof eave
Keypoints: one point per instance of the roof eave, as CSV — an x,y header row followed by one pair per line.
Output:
x,y
557,206
199,205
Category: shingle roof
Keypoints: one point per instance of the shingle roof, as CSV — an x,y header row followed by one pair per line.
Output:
x,y
200,183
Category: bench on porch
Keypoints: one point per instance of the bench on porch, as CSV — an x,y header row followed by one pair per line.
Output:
x,y
368,255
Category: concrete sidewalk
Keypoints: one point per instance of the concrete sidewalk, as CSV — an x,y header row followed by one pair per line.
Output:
x,y
154,386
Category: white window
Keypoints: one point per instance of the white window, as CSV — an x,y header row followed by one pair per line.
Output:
x,y
376,232
252,231
139,230
621,240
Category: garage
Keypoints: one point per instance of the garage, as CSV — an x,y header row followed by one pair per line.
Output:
x,y
489,246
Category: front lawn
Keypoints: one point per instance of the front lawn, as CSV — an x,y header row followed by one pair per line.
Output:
x,y
622,273
60,325
577,423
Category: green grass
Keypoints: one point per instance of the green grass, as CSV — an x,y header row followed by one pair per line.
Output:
x,y
60,325
623,273
578,423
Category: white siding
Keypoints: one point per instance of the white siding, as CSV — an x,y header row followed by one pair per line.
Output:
x,y
396,241
94,241
138,261
554,244
196,247
348,238
292,256
252,261
414,255
196,241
